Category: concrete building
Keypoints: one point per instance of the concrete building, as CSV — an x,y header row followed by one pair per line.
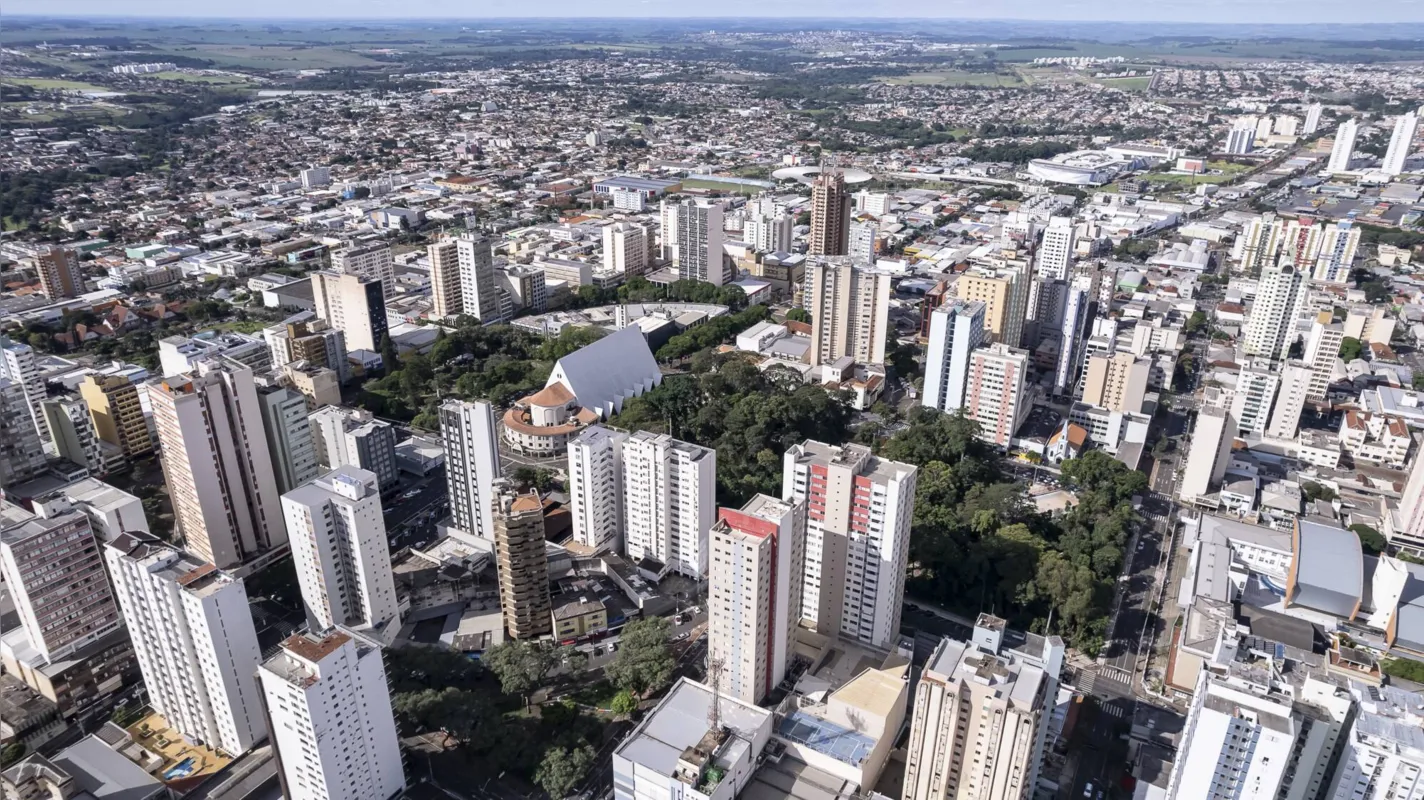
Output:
x,y
1383,756
1055,255
19,365
596,487
769,233
218,465
995,395
289,435
956,330
314,342
1255,394
1344,148
178,355
1322,353
370,261
59,272
354,437
445,286
341,552
669,501
479,290
754,593
195,642
71,431
699,241
1401,143
1004,293
626,247
1117,382
830,216
854,584
1295,379
850,311
523,565
1280,298
1259,243
354,305
1212,438
467,430
328,706
117,413
1312,119
862,242
1337,253
1240,139
22,455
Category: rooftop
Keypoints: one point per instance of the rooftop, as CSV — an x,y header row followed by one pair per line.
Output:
x,y
680,721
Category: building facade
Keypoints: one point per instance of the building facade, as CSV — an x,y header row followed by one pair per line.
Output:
x,y
996,394
669,501
471,464
596,487
523,564
956,330
850,311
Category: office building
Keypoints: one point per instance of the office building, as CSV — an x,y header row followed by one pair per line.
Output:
x,y
1004,293
1322,353
830,216
354,305
467,430
341,553
1055,255
22,456
1401,143
19,365
956,330
625,248
1312,119
1210,452
1337,253
354,437
72,433
1117,382
314,342
754,593
1255,393
218,465
858,512
1344,147
289,434
524,289
596,487
447,299
669,501
699,235
769,233
328,705
479,290
995,395
59,272
981,716
117,413
50,560
862,242
523,564
1295,381
850,311
1271,325
370,261
193,635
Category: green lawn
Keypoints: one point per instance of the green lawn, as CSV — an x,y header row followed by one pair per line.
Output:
x,y
1136,84
193,77
955,77
716,185
278,57
53,83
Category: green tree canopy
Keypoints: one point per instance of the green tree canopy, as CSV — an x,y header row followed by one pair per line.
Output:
x,y
644,661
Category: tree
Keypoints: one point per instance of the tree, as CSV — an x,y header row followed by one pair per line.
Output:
x,y
521,666
798,315
462,714
1350,349
562,769
11,753
1370,539
1314,491
623,703
644,661
1196,323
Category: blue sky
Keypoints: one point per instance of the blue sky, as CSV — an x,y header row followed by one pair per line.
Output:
x,y
1220,11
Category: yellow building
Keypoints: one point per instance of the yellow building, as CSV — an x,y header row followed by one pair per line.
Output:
x,y
117,413
579,618
1004,293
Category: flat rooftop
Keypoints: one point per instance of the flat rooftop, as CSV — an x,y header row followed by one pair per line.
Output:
x,y
181,760
680,721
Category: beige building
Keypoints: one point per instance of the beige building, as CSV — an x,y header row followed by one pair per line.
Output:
x,y
370,260
1004,293
830,216
1210,453
1117,382
318,385
850,311
445,278
626,247
523,566
117,413
354,305
1322,353
59,273
995,394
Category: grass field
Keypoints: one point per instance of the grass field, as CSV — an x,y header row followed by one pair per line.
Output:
x,y
276,57
954,77
716,185
1137,84
53,83
193,77
1221,172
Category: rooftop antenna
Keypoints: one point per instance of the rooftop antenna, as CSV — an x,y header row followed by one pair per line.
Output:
x,y
714,679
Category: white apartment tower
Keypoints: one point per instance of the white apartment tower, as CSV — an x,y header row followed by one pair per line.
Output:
x,y
18,364
1295,379
994,395
352,304
769,233
858,512
218,465
669,501
1322,352
861,247
1344,148
596,487
341,553
72,433
193,636
956,330
328,705
850,311
1259,242
445,286
479,291
699,241
1255,393
1312,119
1337,253
754,593
1212,437
1055,255
625,248
471,465
1271,325
22,456
289,435
371,261
354,437
1401,143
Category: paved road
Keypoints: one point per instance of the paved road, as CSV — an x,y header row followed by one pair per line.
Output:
x,y
1138,589
412,521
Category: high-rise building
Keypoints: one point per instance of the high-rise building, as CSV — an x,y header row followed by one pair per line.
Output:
x,y
1259,242
1080,309
328,706
524,288
218,466
1407,520
1210,453
1271,325
667,230
1383,756
354,437
1295,388
117,412
625,248
1240,139
445,293
369,260
981,716
858,512
193,635
50,560
1300,244
316,342
1344,148
523,564
1117,382
861,248
830,216
22,456
769,233
995,394
956,330
596,487
1055,255
1337,253
19,364
340,549
354,305
669,501
1312,119
289,434
59,272
1401,143
1322,351
850,311
754,593
699,241
1255,393
72,433
471,464
1004,293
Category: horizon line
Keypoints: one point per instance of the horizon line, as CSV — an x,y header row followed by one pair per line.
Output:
x,y
407,19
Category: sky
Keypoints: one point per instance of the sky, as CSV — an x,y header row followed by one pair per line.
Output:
x,y
1221,11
